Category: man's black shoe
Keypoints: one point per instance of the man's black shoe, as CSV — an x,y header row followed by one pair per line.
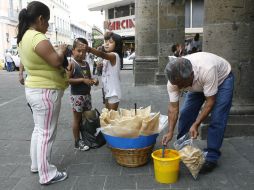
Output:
x,y
208,167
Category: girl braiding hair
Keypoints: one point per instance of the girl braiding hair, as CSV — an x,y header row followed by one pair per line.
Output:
x,y
112,62
118,41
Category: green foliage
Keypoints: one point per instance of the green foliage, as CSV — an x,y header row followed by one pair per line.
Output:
x,y
97,42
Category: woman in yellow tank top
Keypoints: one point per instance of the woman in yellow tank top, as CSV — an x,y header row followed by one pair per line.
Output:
x,y
44,86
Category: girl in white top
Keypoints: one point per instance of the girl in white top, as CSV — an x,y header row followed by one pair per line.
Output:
x,y
111,68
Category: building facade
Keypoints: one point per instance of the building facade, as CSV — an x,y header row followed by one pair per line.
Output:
x,y
81,30
120,18
59,23
59,30
9,11
227,28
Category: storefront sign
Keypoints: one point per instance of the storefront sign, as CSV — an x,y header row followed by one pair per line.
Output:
x,y
124,25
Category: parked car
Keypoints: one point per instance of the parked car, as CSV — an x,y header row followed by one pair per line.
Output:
x,y
129,60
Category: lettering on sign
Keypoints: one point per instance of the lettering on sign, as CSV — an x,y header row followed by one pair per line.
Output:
x,y
119,24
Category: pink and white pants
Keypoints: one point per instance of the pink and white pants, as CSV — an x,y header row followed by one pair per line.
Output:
x,y
46,104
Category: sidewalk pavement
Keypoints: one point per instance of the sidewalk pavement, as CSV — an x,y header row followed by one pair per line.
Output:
x,y
96,169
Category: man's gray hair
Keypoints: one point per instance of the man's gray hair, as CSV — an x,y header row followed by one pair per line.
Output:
x,y
178,69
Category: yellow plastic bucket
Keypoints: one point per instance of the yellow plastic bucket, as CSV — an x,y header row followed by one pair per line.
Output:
x,y
166,169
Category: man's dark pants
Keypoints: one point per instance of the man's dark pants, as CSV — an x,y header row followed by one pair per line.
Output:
x,y
219,116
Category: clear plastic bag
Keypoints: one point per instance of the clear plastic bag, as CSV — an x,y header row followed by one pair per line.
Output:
x,y
192,157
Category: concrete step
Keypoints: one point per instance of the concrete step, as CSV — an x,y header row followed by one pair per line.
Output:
x,y
238,125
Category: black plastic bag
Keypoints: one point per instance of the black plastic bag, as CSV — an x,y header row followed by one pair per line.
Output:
x,y
88,129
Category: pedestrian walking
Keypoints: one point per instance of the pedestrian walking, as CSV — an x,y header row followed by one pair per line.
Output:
x,y
9,63
209,80
44,86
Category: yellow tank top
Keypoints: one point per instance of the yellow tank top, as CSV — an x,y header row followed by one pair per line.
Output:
x,y
40,74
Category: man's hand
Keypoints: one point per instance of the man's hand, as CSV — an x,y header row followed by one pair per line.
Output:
x,y
166,138
194,131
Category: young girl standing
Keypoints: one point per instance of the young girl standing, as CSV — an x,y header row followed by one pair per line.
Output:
x,y
79,75
111,68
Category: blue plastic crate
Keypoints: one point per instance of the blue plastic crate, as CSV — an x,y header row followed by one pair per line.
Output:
x,y
131,143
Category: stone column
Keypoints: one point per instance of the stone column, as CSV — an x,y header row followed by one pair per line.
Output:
x,y
146,41
159,24
171,31
228,32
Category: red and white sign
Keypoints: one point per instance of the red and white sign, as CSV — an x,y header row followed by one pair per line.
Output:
x,y
124,26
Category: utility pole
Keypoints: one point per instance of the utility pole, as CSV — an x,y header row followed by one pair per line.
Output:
x,y
56,35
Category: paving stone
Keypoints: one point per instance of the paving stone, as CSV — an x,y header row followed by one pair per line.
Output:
x,y
185,180
20,135
243,180
142,170
147,182
80,169
6,170
14,159
216,180
111,168
20,148
245,151
68,159
207,188
97,168
62,147
64,134
22,171
28,183
86,157
102,150
120,183
7,183
90,183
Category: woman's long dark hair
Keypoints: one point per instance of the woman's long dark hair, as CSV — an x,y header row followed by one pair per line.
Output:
x,y
27,16
118,41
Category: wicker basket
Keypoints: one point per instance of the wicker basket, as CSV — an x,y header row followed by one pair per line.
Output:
x,y
132,157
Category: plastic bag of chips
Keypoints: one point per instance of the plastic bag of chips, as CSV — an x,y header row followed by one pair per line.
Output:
x,y
192,157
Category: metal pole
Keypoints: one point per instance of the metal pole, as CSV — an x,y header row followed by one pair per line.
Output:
x,y
56,37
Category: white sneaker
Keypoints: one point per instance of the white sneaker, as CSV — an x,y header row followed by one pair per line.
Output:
x,y
80,145
34,170
60,176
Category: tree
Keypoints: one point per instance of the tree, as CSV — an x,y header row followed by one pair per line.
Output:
x,y
97,37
